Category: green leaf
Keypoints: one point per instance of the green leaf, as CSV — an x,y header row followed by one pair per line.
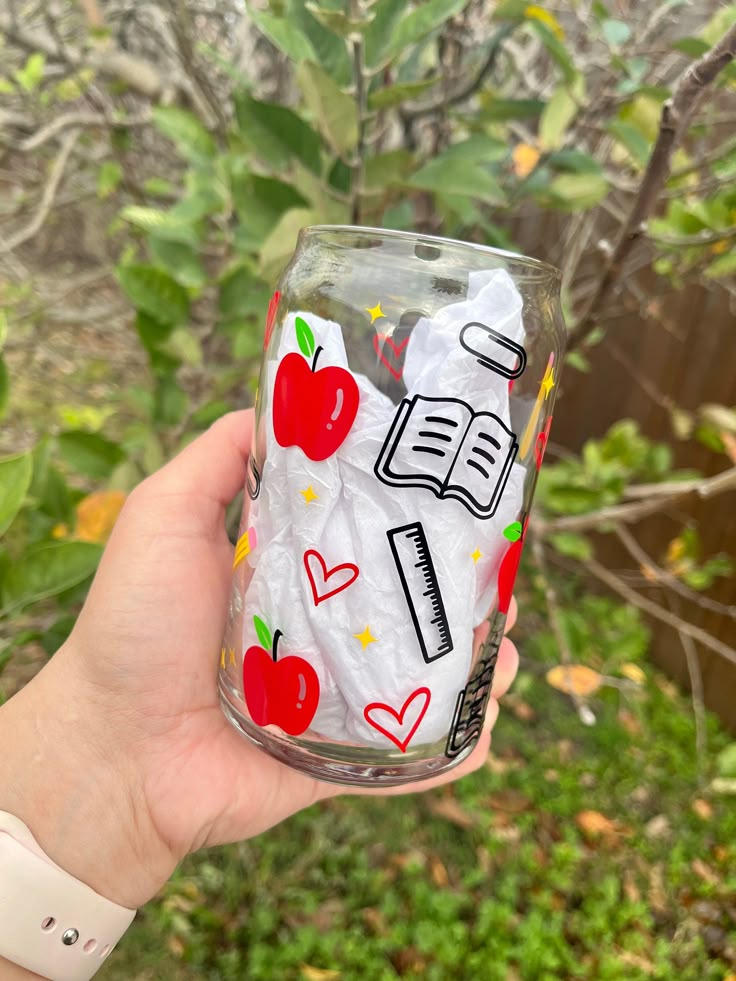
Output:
x,y
631,139
381,28
724,265
556,50
304,337
46,570
386,169
280,244
89,453
575,161
15,479
693,47
179,260
579,191
236,288
616,32
425,18
4,386
338,22
726,761
263,633
394,95
722,21
155,292
170,402
108,178
500,110
514,531
162,224
559,113
577,360
277,134
574,546
283,33
451,174
186,132
260,202
30,75
335,111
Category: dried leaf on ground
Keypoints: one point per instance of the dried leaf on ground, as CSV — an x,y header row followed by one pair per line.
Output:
x,y
595,825
574,679
319,973
510,801
438,872
704,872
658,827
702,808
449,809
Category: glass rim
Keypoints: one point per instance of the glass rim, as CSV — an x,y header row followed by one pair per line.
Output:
x,y
529,262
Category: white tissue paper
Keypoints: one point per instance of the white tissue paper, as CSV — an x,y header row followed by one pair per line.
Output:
x,y
349,520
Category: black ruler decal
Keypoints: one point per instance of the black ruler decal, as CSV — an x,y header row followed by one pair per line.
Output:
x,y
421,589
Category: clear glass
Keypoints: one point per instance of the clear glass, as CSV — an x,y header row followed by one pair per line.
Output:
x,y
403,409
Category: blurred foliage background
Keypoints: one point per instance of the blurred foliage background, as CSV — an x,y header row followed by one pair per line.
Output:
x,y
157,160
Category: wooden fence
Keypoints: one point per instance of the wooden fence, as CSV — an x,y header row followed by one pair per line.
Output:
x,y
686,355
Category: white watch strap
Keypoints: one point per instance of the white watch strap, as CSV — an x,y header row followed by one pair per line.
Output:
x,y
50,922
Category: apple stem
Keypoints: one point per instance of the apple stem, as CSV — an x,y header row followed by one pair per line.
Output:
x,y
274,647
314,359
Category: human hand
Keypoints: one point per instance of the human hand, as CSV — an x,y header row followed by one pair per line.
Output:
x,y
127,761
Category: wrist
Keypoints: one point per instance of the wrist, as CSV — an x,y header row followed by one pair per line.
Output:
x,y
65,773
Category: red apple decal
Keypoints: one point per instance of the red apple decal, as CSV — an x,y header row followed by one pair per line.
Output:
x,y
312,409
284,693
510,564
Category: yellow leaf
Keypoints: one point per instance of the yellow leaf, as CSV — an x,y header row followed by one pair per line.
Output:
x,y
574,679
535,12
319,973
96,515
525,159
59,531
634,673
718,248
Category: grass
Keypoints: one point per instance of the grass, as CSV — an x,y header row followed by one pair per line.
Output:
x,y
584,853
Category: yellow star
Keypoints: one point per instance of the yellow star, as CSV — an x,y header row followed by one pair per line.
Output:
x,y
309,495
232,656
366,637
376,312
222,658
548,382
476,554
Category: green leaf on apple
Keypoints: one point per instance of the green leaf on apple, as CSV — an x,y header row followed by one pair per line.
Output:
x,y
513,531
264,634
304,337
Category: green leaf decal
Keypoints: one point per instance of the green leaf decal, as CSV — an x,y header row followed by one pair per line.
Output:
x,y
304,337
264,634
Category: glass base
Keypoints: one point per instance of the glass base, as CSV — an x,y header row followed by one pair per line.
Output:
x,y
329,762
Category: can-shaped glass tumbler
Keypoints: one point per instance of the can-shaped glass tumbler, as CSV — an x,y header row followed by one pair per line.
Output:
x,y
403,410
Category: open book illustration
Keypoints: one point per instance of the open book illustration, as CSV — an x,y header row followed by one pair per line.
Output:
x,y
453,451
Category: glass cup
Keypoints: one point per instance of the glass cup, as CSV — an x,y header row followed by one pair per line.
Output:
x,y
403,409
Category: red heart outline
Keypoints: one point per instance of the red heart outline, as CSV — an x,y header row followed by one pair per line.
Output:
x,y
273,306
399,716
327,574
379,340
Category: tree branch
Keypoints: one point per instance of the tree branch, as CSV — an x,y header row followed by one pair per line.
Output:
x,y
668,579
139,75
585,713
657,497
47,198
653,609
677,113
82,120
467,88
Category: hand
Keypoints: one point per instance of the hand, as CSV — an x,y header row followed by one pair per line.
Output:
x,y
121,761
